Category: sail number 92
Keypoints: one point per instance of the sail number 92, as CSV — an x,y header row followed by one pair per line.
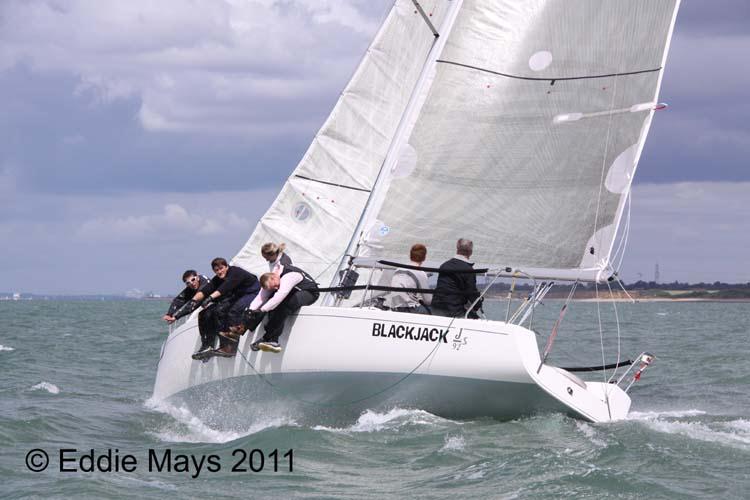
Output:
x,y
257,460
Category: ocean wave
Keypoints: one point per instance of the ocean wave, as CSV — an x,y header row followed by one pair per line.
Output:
x,y
591,434
191,429
653,415
3,348
734,433
476,471
372,421
46,386
454,443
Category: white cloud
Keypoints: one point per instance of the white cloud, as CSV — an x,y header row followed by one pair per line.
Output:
x,y
204,65
173,222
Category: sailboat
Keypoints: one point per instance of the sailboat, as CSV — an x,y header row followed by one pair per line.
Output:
x,y
517,124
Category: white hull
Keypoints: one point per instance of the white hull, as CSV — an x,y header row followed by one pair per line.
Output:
x,y
362,358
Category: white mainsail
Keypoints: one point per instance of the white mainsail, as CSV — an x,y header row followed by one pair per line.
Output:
x,y
322,201
529,137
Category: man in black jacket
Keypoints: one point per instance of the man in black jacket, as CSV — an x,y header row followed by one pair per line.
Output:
x,y
194,282
223,299
456,289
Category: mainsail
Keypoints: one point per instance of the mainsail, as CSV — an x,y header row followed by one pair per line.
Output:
x,y
524,137
529,137
319,206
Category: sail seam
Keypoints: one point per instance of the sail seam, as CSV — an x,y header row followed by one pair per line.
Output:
x,y
332,183
547,79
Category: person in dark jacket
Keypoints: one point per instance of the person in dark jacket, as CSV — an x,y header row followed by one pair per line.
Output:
x,y
281,296
456,291
193,283
223,300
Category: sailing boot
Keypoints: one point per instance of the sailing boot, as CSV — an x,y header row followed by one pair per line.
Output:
x,y
226,351
203,352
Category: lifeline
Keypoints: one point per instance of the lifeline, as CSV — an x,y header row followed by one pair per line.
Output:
x,y
407,332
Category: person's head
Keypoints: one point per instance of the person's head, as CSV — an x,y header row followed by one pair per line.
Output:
x,y
270,281
418,253
191,279
220,267
464,247
271,251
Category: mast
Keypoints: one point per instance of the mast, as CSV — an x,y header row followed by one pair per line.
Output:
x,y
403,130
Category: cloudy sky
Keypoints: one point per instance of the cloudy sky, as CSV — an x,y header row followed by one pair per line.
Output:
x,y
140,138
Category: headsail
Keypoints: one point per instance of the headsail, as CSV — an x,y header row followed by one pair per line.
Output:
x,y
529,137
322,201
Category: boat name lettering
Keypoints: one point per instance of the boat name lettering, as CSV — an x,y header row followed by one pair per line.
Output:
x,y
410,332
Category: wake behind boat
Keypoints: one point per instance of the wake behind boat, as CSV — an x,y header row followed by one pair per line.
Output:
x,y
518,125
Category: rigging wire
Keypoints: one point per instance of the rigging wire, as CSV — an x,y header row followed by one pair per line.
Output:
x,y
596,225
617,323
620,252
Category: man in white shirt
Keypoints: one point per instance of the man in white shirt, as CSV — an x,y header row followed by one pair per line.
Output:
x,y
282,295
413,302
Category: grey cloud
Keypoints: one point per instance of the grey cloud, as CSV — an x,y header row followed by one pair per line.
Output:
x,y
695,231
714,17
110,244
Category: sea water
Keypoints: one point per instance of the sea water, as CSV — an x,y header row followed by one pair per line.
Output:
x,y
76,380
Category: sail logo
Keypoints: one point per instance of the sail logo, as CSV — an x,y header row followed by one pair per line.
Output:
x,y
405,332
301,211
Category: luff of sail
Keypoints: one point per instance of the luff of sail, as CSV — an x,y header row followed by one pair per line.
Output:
x,y
530,135
319,206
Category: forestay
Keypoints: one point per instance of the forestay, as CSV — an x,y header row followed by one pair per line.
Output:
x,y
529,137
322,201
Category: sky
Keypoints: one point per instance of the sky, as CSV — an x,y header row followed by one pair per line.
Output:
x,y
141,138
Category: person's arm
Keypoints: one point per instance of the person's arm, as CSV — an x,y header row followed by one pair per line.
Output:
x,y
177,302
424,284
287,282
187,308
259,299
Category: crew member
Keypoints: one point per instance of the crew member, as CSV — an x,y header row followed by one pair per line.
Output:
x,y
281,296
456,288
223,299
413,302
193,283
275,256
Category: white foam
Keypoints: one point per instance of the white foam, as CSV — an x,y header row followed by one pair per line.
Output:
x,y
740,425
3,348
653,415
454,443
701,432
46,386
735,433
590,433
372,421
194,430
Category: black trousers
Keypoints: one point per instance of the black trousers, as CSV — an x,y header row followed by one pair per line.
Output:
x,y
289,306
220,316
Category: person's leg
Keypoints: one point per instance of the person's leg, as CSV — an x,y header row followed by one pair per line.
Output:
x,y
207,327
277,317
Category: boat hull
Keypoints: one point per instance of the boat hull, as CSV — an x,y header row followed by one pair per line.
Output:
x,y
366,358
